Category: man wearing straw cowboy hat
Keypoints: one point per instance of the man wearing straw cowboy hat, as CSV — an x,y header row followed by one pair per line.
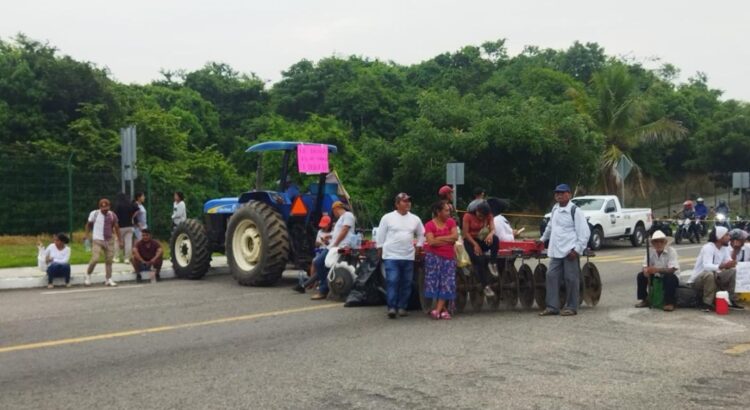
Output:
x,y
661,261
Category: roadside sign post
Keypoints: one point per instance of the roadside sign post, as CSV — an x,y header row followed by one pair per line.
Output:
x,y
623,168
741,181
128,157
454,175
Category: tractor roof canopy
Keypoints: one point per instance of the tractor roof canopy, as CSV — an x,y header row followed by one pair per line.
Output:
x,y
283,146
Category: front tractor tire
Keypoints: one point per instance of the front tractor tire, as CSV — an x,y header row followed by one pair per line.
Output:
x,y
257,245
190,254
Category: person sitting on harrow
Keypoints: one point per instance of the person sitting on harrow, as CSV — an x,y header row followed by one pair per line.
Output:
x,y
568,237
342,236
322,239
661,263
441,235
503,230
479,237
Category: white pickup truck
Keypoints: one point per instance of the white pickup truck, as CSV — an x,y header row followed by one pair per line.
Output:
x,y
608,220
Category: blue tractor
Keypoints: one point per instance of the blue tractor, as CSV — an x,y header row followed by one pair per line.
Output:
x,y
261,231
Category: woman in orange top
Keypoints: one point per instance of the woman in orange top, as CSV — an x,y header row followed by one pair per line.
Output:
x,y
479,237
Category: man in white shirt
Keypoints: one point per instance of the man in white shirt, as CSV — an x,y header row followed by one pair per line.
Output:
x,y
662,263
714,269
104,226
395,241
568,234
341,237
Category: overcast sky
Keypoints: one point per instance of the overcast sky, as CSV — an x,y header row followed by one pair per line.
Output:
x,y
137,38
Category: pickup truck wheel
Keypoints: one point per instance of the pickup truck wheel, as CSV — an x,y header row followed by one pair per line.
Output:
x,y
597,237
638,236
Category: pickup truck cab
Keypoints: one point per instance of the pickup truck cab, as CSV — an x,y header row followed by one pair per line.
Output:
x,y
609,220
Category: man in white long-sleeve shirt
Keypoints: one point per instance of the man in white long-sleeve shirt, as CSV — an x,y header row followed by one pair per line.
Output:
x,y
714,269
396,234
568,234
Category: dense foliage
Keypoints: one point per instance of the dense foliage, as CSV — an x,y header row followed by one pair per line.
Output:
x,y
521,124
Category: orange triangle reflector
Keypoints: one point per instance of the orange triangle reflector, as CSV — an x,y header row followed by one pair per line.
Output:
x,y
298,207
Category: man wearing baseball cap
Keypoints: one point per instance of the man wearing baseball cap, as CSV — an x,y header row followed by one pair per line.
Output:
x,y
396,234
342,236
568,236
714,269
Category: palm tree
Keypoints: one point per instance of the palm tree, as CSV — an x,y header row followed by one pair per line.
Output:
x,y
620,115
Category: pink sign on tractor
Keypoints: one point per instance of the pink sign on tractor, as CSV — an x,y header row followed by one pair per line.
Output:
x,y
312,158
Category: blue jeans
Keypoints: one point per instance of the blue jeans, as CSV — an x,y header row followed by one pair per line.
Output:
x,y
321,271
398,277
58,269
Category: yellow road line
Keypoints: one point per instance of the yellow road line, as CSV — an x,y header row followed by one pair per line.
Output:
x,y
739,349
136,332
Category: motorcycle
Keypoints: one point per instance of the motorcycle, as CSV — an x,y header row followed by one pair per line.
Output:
x,y
687,229
722,220
663,225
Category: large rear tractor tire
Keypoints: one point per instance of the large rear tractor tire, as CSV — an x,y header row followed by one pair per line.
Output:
x,y
257,244
189,250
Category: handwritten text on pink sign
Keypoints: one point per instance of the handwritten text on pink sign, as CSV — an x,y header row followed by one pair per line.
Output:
x,y
312,159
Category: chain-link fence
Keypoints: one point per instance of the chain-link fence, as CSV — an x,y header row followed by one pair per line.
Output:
x,y
57,196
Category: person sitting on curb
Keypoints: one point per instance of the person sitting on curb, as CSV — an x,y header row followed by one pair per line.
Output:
x,y
661,262
740,249
57,255
714,269
342,236
147,256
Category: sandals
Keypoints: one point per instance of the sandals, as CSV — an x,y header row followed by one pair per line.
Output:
x,y
568,312
440,315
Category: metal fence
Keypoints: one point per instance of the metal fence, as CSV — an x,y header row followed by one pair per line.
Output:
x,y
57,196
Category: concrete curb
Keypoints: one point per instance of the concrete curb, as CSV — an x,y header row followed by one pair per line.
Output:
x,y
32,277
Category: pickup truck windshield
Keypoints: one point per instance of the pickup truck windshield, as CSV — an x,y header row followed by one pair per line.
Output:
x,y
589,204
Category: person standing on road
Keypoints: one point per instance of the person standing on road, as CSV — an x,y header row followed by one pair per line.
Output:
x,y
125,211
714,269
104,225
396,234
568,237
57,255
662,262
141,221
342,236
147,256
179,214
441,235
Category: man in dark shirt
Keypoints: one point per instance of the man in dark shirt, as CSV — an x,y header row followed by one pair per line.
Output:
x,y
147,256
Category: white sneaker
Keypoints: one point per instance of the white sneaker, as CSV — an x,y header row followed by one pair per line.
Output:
x,y
110,282
127,261
87,281
488,291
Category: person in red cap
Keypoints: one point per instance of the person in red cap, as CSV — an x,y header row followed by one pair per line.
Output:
x,y
322,239
445,193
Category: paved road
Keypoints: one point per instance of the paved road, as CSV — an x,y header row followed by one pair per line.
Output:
x,y
212,344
